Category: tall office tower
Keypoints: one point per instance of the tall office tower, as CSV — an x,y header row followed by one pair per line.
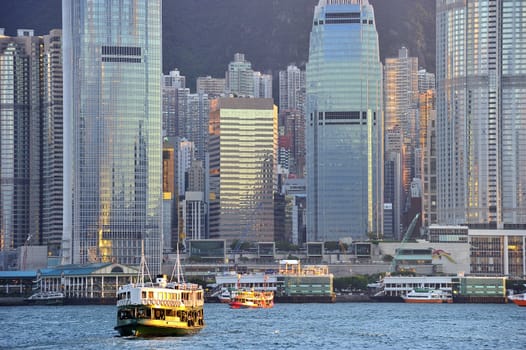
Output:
x,y
196,177
185,156
262,85
170,196
428,159
195,204
243,168
426,81
174,79
344,133
187,117
170,84
400,103
213,87
393,190
240,77
292,140
52,142
196,122
481,109
31,140
20,122
291,89
112,132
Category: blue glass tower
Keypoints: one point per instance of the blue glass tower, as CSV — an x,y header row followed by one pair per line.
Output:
x,y
344,122
112,131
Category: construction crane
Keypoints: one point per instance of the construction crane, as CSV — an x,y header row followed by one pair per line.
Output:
x,y
404,240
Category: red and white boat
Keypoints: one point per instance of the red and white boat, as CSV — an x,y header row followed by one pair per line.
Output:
x,y
518,299
250,299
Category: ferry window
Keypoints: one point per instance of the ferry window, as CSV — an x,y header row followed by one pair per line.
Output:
x,y
150,294
144,294
127,295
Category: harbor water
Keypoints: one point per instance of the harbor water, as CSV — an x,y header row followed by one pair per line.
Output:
x,y
286,326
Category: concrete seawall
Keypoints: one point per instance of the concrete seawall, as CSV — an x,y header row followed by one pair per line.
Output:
x,y
352,299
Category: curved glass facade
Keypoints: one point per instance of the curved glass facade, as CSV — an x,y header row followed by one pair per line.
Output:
x,y
344,122
112,131
481,94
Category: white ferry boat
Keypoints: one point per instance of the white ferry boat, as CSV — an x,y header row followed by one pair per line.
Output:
x,y
425,295
160,308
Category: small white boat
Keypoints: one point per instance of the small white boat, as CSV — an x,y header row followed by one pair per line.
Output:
x,y
226,296
46,298
425,295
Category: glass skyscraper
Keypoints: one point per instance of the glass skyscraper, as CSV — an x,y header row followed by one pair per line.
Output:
x,y
344,122
112,131
481,112
243,168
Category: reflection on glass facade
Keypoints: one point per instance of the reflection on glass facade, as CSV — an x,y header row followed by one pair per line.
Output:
x,y
21,111
112,131
243,162
481,109
344,122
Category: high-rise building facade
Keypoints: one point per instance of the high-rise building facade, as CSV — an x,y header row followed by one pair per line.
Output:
x,y
344,123
213,87
292,142
428,157
171,83
291,89
31,140
481,110
20,119
262,85
243,168
240,77
112,131
52,143
400,104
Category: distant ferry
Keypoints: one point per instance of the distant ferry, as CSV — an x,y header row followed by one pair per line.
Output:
x,y
311,284
250,299
425,295
518,299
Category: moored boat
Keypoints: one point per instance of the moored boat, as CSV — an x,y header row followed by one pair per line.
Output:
x,y
246,299
46,298
160,308
518,299
425,295
226,296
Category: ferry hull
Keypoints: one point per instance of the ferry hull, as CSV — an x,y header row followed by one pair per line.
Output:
x,y
519,302
156,328
143,329
239,305
426,301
